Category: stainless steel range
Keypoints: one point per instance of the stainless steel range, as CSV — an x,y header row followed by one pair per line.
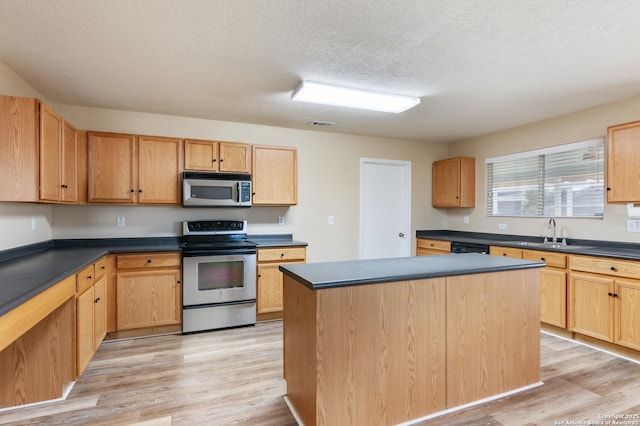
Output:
x,y
219,275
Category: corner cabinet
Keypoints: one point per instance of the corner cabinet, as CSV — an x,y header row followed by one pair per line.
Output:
x,y
217,156
275,176
130,169
270,281
148,290
58,158
623,163
454,182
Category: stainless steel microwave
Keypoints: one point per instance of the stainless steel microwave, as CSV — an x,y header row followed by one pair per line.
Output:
x,y
202,189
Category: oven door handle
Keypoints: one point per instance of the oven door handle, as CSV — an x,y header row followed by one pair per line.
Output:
x,y
208,252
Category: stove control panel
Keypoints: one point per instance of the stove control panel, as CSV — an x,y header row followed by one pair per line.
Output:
x,y
214,227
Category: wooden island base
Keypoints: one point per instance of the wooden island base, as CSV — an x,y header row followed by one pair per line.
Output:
x,y
393,352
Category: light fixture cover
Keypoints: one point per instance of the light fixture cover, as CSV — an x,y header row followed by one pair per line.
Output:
x,y
327,94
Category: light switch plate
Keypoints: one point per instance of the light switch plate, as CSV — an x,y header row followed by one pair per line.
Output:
x,y
502,226
633,225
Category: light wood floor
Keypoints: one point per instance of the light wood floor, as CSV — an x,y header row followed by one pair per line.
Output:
x,y
235,377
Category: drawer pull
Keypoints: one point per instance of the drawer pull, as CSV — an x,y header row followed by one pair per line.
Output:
x,y
504,254
542,258
613,268
281,254
148,260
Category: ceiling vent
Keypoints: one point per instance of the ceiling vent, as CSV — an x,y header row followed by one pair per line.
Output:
x,y
322,123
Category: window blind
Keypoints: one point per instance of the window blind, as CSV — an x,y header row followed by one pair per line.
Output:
x,y
560,181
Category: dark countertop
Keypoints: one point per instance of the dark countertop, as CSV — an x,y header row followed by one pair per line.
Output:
x,y
318,276
29,270
275,240
613,249
37,267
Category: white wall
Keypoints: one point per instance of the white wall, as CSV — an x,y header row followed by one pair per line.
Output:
x,y
328,182
15,218
582,125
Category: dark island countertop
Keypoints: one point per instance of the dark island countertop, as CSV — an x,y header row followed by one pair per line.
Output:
x,y
318,276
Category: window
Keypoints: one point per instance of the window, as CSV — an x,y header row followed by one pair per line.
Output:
x,y
561,181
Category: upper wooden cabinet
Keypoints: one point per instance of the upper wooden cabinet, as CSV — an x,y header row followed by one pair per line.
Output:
x,y
133,169
19,127
623,163
454,182
217,156
58,158
275,175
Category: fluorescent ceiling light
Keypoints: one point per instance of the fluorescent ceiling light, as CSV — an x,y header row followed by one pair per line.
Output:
x,y
320,93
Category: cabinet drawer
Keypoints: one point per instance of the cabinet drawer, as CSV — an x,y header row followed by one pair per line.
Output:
x,y
434,244
147,260
505,251
555,260
603,265
84,278
282,253
100,268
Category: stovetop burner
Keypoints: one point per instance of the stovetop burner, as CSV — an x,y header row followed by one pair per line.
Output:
x,y
216,235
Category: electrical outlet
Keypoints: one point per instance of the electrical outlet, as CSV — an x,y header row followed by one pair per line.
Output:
x,y
34,223
121,221
633,225
280,220
465,219
330,220
502,226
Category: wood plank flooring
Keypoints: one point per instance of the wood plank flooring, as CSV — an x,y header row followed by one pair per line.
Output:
x,y
234,377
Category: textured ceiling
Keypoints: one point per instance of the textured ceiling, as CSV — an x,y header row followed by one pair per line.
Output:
x,y
479,66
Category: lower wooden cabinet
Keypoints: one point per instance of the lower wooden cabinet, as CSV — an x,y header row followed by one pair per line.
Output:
x,y
553,286
91,312
270,281
148,290
427,247
604,300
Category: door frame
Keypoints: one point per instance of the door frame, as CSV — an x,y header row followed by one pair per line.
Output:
x,y
406,165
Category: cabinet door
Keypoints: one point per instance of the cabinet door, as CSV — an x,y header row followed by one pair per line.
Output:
x,y
159,169
99,311
112,168
275,176
50,154
553,297
591,306
623,163
18,149
446,183
148,298
628,313
201,155
84,330
235,157
69,157
454,182
269,288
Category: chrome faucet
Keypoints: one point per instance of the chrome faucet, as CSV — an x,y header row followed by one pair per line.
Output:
x,y
555,237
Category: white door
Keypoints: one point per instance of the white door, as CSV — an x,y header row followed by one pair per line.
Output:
x,y
385,208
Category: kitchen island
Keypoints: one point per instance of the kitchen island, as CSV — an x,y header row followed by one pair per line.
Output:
x,y
388,341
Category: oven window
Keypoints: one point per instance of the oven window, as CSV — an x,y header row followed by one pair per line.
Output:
x,y
212,192
217,275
